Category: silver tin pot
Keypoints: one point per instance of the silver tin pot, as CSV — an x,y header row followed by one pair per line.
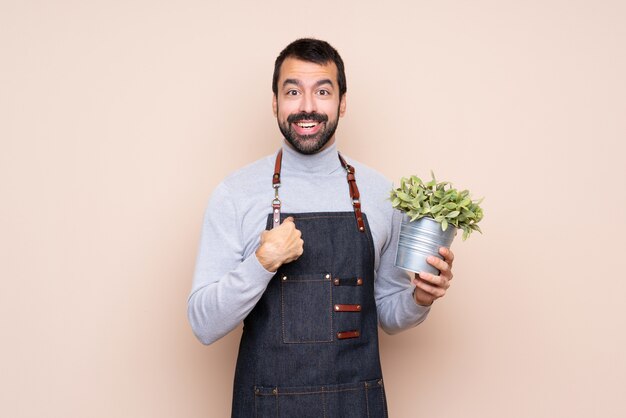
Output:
x,y
418,240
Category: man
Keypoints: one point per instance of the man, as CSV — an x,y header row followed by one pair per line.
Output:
x,y
307,262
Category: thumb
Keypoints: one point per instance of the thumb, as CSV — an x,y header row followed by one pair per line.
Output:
x,y
288,219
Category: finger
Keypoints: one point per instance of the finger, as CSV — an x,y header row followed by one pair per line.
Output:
x,y
289,219
430,289
447,254
435,281
438,263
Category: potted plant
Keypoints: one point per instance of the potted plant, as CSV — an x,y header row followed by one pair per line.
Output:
x,y
433,213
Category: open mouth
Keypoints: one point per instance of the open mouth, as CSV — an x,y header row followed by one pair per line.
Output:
x,y
307,123
306,127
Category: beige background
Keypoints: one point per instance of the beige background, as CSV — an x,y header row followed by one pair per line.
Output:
x,y
118,118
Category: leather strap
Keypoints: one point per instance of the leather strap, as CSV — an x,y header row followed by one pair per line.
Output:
x,y
354,191
279,161
342,335
276,185
347,308
354,194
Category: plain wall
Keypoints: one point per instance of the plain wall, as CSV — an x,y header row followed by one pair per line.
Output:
x,y
118,118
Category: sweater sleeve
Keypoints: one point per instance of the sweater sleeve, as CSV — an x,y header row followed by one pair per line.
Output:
x,y
226,286
397,309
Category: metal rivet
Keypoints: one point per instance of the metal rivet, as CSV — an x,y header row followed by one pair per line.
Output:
x,y
361,228
358,307
257,391
359,281
380,382
336,307
275,210
328,276
274,391
336,282
284,278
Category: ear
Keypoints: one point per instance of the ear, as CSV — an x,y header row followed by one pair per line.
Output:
x,y
274,105
342,105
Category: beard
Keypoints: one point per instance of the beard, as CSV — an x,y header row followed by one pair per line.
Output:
x,y
308,144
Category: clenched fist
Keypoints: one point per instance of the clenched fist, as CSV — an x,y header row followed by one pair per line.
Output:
x,y
280,245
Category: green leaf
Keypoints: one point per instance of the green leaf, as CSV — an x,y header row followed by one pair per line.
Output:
x,y
404,196
453,214
436,209
469,214
416,216
416,180
451,205
444,225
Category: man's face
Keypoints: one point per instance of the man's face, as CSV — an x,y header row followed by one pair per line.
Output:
x,y
307,105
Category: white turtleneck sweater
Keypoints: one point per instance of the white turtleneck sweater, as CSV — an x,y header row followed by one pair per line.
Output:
x,y
229,280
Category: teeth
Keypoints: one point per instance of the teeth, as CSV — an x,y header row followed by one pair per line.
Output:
x,y
306,124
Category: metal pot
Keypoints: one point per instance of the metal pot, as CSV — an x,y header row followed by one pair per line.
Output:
x,y
420,239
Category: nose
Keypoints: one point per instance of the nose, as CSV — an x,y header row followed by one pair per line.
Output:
x,y
307,104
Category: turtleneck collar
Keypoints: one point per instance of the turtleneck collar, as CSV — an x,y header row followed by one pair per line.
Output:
x,y
323,162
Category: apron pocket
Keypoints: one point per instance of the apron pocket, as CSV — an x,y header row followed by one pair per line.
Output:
x,y
306,308
351,400
376,400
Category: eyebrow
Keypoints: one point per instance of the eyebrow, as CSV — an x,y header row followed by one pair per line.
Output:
x,y
298,83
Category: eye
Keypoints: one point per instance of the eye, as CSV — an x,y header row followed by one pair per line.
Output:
x,y
323,92
292,92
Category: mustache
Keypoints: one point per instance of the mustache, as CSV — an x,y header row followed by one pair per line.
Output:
x,y
314,116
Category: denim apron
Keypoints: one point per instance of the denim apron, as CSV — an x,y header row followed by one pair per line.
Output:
x,y
310,346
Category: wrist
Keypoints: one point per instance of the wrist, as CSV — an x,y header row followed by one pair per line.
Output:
x,y
266,262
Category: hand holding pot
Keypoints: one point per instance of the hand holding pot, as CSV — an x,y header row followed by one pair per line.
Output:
x,y
429,287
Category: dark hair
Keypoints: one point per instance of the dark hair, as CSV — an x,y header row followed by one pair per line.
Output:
x,y
311,50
